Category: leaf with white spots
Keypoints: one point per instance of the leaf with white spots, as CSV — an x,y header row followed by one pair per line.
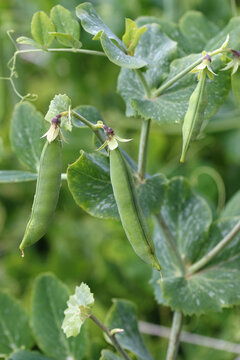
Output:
x,y
14,327
90,184
188,220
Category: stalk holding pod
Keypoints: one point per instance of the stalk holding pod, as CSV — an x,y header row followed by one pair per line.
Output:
x,y
129,209
47,188
194,117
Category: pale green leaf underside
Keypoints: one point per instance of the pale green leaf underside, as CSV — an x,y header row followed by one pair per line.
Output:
x,y
14,327
109,355
41,25
189,222
88,112
89,182
27,127
123,315
59,104
14,176
27,41
48,304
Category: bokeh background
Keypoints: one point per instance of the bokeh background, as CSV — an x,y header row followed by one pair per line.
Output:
x,y
81,248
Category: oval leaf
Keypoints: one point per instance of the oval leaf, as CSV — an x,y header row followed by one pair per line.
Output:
x,y
27,127
49,302
14,327
41,25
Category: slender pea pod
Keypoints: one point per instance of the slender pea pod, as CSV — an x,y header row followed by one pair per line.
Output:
x,y
129,209
46,195
235,80
195,114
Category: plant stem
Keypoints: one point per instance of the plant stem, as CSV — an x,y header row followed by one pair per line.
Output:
x,y
111,337
215,251
142,155
89,124
143,81
177,77
168,236
80,51
175,336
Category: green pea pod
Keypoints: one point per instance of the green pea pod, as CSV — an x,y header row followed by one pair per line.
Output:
x,y
46,195
129,209
235,79
195,114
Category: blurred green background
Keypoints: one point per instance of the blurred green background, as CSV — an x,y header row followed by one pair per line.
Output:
x,y
81,248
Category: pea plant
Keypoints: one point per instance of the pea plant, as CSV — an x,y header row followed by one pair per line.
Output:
x,y
169,74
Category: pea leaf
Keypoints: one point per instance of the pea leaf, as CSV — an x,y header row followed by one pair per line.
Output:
x,y
88,112
13,176
49,302
89,182
122,315
59,104
159,51
132,35
232,207
27,355
194,234
67,28
117,56
92,23
27,127
115,50
14,327
109,355
27,41
41,25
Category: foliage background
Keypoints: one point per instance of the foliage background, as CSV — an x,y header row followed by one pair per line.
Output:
x,y
80,248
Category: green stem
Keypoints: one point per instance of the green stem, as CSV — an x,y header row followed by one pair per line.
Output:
x,y
215,251
168,236
143,81
80,51
175,336
111,337
142,155
177,77
89,124
234,8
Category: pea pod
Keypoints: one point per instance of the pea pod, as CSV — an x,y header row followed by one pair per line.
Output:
x,y
235,80
129,209
195,114
46,195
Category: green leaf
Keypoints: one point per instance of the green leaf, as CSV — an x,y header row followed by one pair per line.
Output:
x,y
49,302
41,25
172,105
14,327
188,222
92,23
232,207
27,355
89,182
197,30
88,112
67,40
27,41
59,104
13,176
109,355
132,35
122,315
159,51
117,56
27,127
65,24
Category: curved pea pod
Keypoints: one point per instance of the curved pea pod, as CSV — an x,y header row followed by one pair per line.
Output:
x,y
46,195
235,80
195,115
129,209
